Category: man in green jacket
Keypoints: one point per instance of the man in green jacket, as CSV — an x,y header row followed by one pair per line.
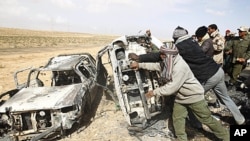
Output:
x,y
239,49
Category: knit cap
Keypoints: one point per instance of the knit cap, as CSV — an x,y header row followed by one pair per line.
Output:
x,y
179,32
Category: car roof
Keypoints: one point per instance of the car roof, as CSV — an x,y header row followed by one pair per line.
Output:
x,y
64,62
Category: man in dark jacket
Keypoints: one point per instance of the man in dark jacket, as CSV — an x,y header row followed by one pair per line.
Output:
x,y
205,69
205,41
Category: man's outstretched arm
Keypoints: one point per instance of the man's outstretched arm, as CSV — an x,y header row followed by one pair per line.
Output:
x,y
149,57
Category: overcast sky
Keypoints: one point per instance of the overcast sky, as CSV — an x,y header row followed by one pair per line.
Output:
x,y
124,17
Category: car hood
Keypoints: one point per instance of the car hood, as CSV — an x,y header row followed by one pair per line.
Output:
x,y
44,98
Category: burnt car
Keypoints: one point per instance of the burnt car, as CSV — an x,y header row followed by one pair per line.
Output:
x,y
52,100
127,86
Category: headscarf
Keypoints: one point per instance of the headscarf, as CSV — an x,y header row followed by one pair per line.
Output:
x,y
171,54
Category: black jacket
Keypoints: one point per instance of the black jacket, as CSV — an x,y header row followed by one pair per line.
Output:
x,y
150,57
203,66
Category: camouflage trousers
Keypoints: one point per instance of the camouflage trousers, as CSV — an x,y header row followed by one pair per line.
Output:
x,y
236,70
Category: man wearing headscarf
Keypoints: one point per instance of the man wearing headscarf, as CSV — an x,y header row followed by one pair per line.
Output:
x,y
189,93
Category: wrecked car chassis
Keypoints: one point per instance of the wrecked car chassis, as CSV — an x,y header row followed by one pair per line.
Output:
x,y
52,99
129,86
133,85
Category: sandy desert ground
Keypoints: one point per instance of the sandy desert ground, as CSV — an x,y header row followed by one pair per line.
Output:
x,y
21,49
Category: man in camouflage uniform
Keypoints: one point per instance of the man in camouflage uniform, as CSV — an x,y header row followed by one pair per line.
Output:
x,y
218,43
239,48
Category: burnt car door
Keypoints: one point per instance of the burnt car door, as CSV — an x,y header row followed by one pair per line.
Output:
x,y
20,79
88,74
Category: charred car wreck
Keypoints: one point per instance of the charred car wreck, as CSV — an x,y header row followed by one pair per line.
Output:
x,y
53,98
129,86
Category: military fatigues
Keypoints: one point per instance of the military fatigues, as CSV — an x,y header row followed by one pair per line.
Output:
x,y
240,49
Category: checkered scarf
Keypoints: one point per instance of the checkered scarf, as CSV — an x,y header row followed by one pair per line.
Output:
x,y
171,54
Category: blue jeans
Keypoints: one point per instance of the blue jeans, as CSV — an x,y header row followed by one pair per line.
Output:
x,y
217,83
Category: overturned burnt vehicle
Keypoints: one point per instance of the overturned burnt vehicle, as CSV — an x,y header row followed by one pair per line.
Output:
x,y
52,100
128,86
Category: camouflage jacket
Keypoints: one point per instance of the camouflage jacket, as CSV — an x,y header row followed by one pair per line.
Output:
x,y
218,41
240,48
218,44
